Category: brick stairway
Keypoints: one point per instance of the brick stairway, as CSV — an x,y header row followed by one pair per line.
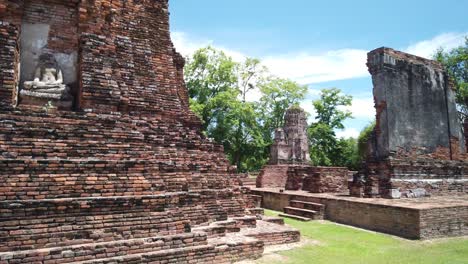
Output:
x,y
303,210
103,188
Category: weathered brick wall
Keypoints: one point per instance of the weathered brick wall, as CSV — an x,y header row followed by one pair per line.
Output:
x,y
437,177
326,180
444,222
387,219
132,166
9,58
62,16
304,177
426,222
418,141
273,176
415,102
128,60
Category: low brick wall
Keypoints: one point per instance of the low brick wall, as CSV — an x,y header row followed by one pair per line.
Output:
x,y
304,177
273,176
398,221
326,180
426,222
444,222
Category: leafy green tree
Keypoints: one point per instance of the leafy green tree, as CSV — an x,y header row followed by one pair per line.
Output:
x,y
248,144
326,149
218,90
456,63
277,96
211,79
363,139
346,154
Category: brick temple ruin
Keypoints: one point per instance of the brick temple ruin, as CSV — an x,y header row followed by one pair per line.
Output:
x,y
101,160
290,166
416,156
418,146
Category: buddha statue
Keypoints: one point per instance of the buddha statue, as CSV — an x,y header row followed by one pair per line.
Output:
x,y
48,81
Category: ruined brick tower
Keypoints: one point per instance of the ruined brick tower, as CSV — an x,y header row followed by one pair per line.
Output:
x,y
101,160
291,143
418,146
290,165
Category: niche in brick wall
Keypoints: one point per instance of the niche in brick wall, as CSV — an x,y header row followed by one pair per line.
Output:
x,y
50,27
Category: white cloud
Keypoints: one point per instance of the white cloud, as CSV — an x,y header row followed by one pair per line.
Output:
x,y
362,108
307,68
348,133
187,45
427,48
309,108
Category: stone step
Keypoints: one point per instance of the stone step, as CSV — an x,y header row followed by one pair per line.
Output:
x,y
274,220
246,221
307,205
295,217
211,231
90,251
301,212
272,234
256,211
199,254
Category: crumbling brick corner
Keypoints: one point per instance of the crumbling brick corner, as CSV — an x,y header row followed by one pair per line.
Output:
x,y
417,130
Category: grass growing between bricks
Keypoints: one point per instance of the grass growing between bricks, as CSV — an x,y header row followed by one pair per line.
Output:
x,y
347,245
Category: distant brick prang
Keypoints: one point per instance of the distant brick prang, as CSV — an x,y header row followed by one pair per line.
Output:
x,y
127,175
418,144
290,165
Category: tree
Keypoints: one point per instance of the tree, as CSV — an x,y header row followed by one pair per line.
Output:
x,y
218,89
277,96
326,149
363,140
456,63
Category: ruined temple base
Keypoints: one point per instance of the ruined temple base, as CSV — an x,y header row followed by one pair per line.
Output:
x,y
228,241
423,218
304,177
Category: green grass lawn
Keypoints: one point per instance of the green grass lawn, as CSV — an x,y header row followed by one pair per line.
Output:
x,y
341,244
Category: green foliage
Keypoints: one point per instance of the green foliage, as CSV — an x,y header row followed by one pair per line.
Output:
x,y
326,149
278,95
219,90
363,138
336,244
328,108
346,154
211,78
456,63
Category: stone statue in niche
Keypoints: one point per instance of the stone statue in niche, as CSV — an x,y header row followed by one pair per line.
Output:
x,y
48,81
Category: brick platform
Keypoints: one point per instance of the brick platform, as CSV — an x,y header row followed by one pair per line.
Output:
x,y
424,218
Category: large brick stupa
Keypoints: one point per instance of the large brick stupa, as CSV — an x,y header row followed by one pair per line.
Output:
x,y
101,160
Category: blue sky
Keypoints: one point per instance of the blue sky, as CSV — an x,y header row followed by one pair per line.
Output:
x,y
319,43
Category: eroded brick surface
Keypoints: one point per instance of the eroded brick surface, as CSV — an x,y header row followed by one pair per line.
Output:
x,y
127,175
418,147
